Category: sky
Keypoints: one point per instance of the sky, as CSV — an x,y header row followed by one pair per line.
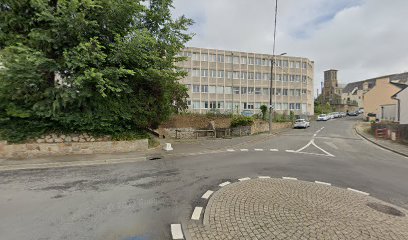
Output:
x,y
360,38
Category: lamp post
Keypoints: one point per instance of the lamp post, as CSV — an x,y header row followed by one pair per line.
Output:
x,y
270,92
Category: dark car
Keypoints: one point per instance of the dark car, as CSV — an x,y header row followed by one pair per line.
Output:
x,y
352,114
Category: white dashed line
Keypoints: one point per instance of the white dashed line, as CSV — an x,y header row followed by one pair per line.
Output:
x,y
290,151
197,213
258,150
224,184
207,194
273,150
264,177
230,150
324,183
244,179
176,232
244,150
358,191
289,178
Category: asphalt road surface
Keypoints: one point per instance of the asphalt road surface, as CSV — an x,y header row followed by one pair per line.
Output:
x,y
139,201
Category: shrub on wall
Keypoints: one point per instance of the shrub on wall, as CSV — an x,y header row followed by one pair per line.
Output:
x,y
241,121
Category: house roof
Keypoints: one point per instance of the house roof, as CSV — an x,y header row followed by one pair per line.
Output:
x,y
400,78
402,86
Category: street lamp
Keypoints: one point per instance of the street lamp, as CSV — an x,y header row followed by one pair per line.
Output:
x,y
270,92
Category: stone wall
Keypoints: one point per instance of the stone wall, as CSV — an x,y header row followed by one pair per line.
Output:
x,y
63,138
33,150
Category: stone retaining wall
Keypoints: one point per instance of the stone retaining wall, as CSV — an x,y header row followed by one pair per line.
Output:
x,y
33,150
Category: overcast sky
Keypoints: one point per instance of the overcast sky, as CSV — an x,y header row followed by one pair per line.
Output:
x,y
360,38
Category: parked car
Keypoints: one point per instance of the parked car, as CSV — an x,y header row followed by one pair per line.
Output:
x,y
343,114
353,114
323,117
336,115
301,123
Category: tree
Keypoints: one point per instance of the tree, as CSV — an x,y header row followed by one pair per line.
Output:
x,y
98,66
264,109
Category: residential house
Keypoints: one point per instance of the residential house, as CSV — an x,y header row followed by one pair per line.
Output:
x,y
402,105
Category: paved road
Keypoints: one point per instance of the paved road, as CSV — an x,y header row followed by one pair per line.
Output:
x,y
140,200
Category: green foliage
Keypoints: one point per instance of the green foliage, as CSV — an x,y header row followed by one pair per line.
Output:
x,y
241,121
322,109
96,66
291,116
264,109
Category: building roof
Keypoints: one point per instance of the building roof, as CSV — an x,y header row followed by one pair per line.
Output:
x,y
402,86
400,78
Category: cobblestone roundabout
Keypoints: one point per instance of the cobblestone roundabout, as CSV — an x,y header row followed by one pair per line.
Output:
x,y
289,209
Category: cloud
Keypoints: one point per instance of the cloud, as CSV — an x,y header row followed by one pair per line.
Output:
x,y
360,38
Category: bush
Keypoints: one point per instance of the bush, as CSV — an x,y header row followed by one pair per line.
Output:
x,y
241,121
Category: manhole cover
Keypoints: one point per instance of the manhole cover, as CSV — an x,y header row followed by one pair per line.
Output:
x,y
386,209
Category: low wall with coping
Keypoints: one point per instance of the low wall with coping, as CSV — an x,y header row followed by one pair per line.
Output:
x,y
33,150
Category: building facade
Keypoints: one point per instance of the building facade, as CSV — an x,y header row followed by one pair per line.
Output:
x,y
228,81
402,105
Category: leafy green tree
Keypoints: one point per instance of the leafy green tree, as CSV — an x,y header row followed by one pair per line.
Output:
x,y
264,109
98,66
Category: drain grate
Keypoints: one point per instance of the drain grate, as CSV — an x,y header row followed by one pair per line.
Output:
x,y
386,209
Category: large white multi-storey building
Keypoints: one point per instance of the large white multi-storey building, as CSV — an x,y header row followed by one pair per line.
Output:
x,y
235,81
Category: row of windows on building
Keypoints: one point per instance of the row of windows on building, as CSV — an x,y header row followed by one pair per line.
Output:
x,y
221,58
246,75
243,105
245,90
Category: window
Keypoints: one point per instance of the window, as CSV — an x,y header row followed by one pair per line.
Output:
x,y
284,78
196,88
244,60
236,60
291,64
291,106
284,106
250,90
265,91
258,91
213,104
196,105
278,63
220,89
228,59
196,72
250,61
213,73
266,76
257,105
303,91
236,75
212,58
258,76
304,79
204,57
297,64
204,73
304,107
297,92
220,105
243,75
278,77
251,76
186,54
284,92
265,62
236,90
291,78
211,89
196,57
297,78
229,75
291,92
304,65
228,105
228,90
258,61
278,106
204,88
250,106
284,63
278,92
297,106
204,104
220,58
243,90
220,74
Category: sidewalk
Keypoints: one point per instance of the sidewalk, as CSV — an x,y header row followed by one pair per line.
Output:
x,y
387,144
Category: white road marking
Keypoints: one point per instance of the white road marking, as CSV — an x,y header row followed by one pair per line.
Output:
x,y
244,150
176,232
264,177
197,213
324,183
224,184
258,150
307,145
244,179
273,150
230,150
314,135
316,154
290,151
321,149
289,178
358,191
207,194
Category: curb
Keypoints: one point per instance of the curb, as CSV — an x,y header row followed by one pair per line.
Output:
x,y
378,144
